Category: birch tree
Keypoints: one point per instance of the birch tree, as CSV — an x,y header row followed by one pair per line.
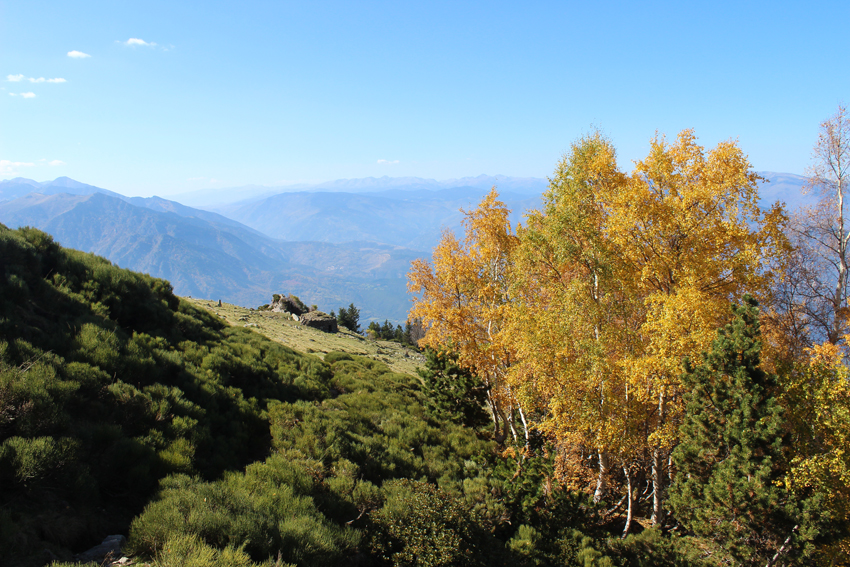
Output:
x,y
566,317
462,298
821,234
692,237
626,276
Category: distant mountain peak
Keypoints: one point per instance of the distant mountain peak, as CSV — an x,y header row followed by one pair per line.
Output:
x,y
64,182
20,186
19,181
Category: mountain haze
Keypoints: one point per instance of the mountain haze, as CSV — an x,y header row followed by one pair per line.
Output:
x,y
786,188
217,197
410,218
213,257
332,244
20,186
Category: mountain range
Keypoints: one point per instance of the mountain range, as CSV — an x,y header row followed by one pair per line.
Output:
x,y
213,197
402,217
342,242
205,255
20,186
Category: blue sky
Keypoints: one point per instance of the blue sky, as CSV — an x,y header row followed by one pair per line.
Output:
x,y
217,94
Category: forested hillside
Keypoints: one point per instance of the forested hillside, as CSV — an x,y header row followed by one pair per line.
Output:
x,y
126,410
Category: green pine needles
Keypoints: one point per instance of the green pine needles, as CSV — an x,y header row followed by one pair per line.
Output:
x,y
453,393
728,487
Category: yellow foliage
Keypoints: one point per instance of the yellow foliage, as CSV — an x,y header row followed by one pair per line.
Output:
x,y
817,398
620,277
463,296
587,313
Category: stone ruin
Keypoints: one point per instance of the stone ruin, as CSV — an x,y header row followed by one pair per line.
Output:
x,y
319,320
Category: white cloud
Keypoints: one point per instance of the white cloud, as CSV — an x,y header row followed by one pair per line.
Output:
x,y
9,166
78,54
387,161
19,78
137,41
56,162
28,95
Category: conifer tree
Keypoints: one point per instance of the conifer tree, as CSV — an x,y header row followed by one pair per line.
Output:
x,y
349,318
452,392
407,338
729,460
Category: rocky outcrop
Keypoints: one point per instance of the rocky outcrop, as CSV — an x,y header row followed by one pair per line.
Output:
x,y
287,304
107,552
319,320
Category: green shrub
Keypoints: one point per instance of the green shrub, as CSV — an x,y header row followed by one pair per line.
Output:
x,y
420,525
332,357
191,551
266,520
451,392
29,460
652,548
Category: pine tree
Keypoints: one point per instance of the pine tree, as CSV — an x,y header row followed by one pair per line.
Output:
x,y
349,318
451,392
353,318
729,459
407,338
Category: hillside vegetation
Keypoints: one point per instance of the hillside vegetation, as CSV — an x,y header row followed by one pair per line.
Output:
x,y
108,383
128,410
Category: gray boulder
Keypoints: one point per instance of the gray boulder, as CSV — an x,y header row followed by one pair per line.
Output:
x,y
109,549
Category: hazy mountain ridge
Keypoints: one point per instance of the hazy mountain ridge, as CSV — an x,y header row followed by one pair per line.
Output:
x,y
225,260
20,186
213,198
787,188
402,217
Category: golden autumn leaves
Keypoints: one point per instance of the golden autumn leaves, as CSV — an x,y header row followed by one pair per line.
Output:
x,y
579,321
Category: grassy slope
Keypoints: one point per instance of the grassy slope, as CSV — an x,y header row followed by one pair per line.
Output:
x,y
280,328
